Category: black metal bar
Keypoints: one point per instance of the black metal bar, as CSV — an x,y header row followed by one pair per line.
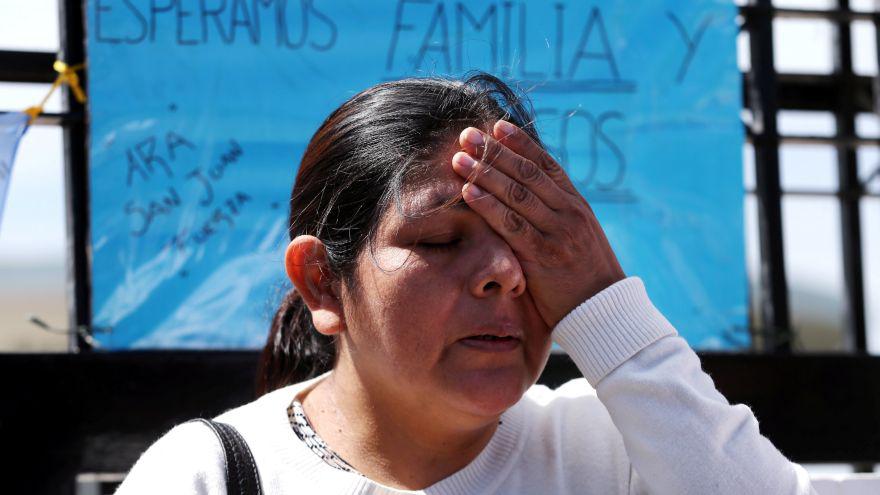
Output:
x,y
822,194
819,92
838,14
32,67
76,181
62,119
761,83
875,19
850,141
816,92
55,119
851,187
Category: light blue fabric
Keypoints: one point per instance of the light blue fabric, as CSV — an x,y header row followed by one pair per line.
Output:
x,y
12,128
200,112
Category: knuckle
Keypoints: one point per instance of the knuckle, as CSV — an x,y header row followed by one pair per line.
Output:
x,y
517,193
527,170
582,217
513,221
548,164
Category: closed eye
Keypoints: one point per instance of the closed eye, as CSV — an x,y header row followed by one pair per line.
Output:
x,y
439,246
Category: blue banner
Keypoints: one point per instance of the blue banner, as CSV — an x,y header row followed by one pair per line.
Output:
x,y
12,127
200,111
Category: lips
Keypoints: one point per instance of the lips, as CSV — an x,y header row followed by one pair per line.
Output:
x,y
497,339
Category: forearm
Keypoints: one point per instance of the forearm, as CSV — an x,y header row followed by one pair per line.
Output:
x,y
681,434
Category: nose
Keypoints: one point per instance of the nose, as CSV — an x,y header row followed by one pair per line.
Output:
x,y
499,271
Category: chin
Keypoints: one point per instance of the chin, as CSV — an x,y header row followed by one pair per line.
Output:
x,y
491,392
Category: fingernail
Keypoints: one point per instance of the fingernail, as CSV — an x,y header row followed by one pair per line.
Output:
x,y
471,190
506,127
464,161
473,136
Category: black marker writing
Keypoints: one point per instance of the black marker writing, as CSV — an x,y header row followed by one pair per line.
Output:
x,y
153,154
596,134
398,28
146,214
226,159
474,26
331,26
149,154
208,195
505,54
598,137
100,24
583,52
174,141
691,42
220,217
438,20
190,23
421,39
560,37
215,172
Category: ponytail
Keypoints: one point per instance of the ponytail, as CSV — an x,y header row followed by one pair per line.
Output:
x,y
294,351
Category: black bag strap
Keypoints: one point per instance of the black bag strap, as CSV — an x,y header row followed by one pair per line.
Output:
x,y
242,477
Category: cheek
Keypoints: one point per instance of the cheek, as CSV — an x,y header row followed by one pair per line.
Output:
x,y
412,305
538,338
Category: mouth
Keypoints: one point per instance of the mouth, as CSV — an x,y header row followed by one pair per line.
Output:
x,y
492,342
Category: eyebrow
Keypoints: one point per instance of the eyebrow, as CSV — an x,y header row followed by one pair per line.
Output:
x,y
438,199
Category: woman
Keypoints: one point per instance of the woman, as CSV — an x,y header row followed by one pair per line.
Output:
x,y
437,251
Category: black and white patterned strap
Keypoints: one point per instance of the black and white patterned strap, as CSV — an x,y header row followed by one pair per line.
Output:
x,y
242,477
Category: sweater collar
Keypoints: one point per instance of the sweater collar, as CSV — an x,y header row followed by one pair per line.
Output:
x,y
484,473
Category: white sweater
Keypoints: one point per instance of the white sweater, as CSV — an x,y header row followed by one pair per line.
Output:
x,y
647,419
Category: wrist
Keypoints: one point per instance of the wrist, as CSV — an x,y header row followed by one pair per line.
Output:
x,y
609,328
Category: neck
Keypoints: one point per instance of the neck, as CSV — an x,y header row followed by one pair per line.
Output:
x,y
389,438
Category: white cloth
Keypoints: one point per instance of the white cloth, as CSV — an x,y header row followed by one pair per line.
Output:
x,y
646,419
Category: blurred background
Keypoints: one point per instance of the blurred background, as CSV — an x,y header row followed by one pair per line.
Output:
x,y
33,233
830,223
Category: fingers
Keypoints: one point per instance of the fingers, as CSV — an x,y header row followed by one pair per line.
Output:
x,y
511,193
514,184
516,230
494,154
521,143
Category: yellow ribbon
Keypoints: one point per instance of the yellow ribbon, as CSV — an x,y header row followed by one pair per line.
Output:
x,y
66,74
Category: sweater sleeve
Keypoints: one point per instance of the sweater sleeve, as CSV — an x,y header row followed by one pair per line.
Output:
x,y
681,435
187,459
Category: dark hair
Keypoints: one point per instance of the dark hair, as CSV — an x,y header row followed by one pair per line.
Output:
x,y
355,165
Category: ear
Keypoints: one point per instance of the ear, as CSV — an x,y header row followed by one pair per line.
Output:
x,y
308,269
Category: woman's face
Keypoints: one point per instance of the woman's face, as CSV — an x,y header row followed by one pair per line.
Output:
x,y
441,315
